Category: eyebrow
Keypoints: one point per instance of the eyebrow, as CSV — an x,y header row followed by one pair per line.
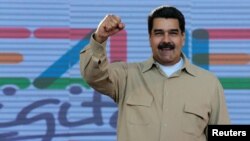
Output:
x,y
161,30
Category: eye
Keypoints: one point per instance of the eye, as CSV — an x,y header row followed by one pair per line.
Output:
x,y
158,33
173,33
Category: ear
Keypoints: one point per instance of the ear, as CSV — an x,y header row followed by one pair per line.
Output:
x,y
150,40
149,36
183,38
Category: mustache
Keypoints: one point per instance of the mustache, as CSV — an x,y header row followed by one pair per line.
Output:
x,y
168,45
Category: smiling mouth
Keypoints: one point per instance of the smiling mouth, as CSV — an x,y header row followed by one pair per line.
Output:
x,y
166,46
166,49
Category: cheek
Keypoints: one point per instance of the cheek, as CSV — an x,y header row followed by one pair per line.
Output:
x,y
155,42
179,43
153,48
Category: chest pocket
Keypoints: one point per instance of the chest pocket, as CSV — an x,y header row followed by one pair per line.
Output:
x,y
139,109
194,119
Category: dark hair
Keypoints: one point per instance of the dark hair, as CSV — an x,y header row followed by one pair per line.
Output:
x,y
166,12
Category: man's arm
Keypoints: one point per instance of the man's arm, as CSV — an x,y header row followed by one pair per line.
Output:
x,y
95,69
219,114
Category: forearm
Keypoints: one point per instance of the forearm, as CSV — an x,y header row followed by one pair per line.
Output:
x,y
94,67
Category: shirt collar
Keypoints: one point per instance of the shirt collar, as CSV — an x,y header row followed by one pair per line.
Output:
x,y
190,68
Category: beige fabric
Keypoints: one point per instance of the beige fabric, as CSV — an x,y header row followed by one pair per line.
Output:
x,y
151,106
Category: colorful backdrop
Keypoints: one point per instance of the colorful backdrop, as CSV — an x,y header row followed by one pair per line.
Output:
x,y
44,98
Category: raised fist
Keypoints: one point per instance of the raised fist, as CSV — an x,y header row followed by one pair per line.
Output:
x,y
110,25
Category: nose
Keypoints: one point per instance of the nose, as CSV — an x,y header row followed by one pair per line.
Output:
x,y
166,37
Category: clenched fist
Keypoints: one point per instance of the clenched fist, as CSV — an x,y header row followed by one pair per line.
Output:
x,y
109,26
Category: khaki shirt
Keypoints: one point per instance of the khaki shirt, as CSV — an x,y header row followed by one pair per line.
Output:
x,y
152,106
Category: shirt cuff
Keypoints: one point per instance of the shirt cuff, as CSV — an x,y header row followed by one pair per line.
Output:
x,y
99,50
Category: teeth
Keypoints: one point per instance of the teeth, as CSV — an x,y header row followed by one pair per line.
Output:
x,y
166,49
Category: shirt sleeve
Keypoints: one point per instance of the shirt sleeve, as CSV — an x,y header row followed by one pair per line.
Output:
x,y
219,114
99,73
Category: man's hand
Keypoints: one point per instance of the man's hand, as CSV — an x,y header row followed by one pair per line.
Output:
x,y
109,26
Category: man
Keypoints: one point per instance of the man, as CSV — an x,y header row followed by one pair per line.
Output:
x,y
165,98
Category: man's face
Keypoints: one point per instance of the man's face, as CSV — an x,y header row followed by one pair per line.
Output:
x,y
166,40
